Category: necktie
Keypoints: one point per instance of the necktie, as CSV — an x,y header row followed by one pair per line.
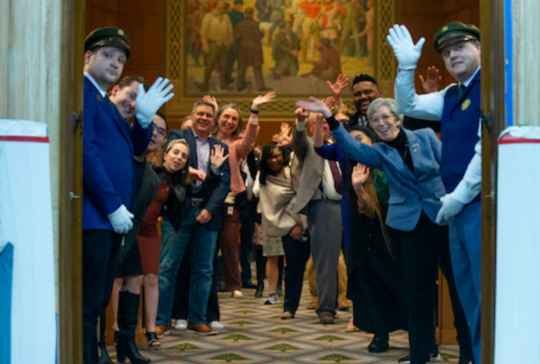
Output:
x,y
461,90
338,179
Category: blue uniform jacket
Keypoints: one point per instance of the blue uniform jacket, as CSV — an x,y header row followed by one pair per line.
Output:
x,y
214,205
109,145
410,192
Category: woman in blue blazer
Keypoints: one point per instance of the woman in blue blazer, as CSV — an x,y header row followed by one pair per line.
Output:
x,y
411,161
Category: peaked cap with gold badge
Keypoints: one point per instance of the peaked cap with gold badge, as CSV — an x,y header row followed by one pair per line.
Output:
x,y
455,32
109,36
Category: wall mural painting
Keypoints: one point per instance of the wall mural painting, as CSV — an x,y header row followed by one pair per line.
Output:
x,y
293,47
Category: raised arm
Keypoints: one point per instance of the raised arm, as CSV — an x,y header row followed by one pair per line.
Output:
x,y
356,150
366,205
246,145
301,141
428,107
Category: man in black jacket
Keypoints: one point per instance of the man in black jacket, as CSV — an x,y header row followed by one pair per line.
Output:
x,y
200,223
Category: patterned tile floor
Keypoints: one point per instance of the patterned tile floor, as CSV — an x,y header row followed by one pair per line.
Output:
x,y
254,333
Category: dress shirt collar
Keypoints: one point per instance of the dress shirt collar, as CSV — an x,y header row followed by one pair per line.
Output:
x,y
91,79
469,80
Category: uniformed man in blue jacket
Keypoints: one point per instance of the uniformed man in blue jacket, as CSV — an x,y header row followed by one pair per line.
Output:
x,y
458,109
109,144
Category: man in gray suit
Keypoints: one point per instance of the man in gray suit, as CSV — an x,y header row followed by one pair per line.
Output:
x,y
318,197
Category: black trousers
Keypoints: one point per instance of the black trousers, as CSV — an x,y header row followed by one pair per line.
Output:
x,y
260,263
100,248
180,308
421,248
296,255
247,219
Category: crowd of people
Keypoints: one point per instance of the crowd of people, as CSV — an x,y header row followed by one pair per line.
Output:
x,y
184,212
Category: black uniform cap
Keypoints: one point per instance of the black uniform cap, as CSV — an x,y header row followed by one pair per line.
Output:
x,y
109,36
455,32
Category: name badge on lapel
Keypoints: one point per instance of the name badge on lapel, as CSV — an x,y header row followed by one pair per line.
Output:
x,y
98,97
414,147
465,104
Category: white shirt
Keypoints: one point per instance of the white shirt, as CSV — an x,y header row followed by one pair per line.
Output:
x,y
328,185
430,107
91,79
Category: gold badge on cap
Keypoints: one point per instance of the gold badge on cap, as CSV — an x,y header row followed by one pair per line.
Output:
x,y
120,32
444,29
465,104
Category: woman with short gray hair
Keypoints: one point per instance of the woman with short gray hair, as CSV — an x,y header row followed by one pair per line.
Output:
x,y
411,161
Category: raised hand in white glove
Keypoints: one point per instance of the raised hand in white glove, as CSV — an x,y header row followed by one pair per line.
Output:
x,y
121,220
407,53
148,103
451,206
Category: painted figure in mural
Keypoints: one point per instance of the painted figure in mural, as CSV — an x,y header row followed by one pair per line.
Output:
x,y
354,11
194,32
285,52
330,23
277,15
216,38
369,30
263,11
250,50
236,15
310,27
296,15
329,67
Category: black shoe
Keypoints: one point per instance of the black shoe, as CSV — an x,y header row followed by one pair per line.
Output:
x,y
128,309
249,285
104,357
433,357
379,344
260,289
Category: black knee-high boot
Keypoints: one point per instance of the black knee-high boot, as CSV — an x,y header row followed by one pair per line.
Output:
x,y
128,309
260,262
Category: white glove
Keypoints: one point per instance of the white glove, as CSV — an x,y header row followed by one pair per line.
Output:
x,y
407,53
451,206
150,102
121,220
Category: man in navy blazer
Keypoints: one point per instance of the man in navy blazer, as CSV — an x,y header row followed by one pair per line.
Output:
x,y
458,109
108,174
199,227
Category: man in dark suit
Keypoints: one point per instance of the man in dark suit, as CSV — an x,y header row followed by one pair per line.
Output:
x,y
109,146
201,220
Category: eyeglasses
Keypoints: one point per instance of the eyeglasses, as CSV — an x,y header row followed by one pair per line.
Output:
x,y
160,130
384,118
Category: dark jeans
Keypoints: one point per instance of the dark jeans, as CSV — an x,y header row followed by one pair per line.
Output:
x,y
421,248
180,309
296,254
247,218
100,249
203,241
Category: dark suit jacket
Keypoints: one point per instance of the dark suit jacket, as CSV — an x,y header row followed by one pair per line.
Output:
x,y
214,204
108,149
410,192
